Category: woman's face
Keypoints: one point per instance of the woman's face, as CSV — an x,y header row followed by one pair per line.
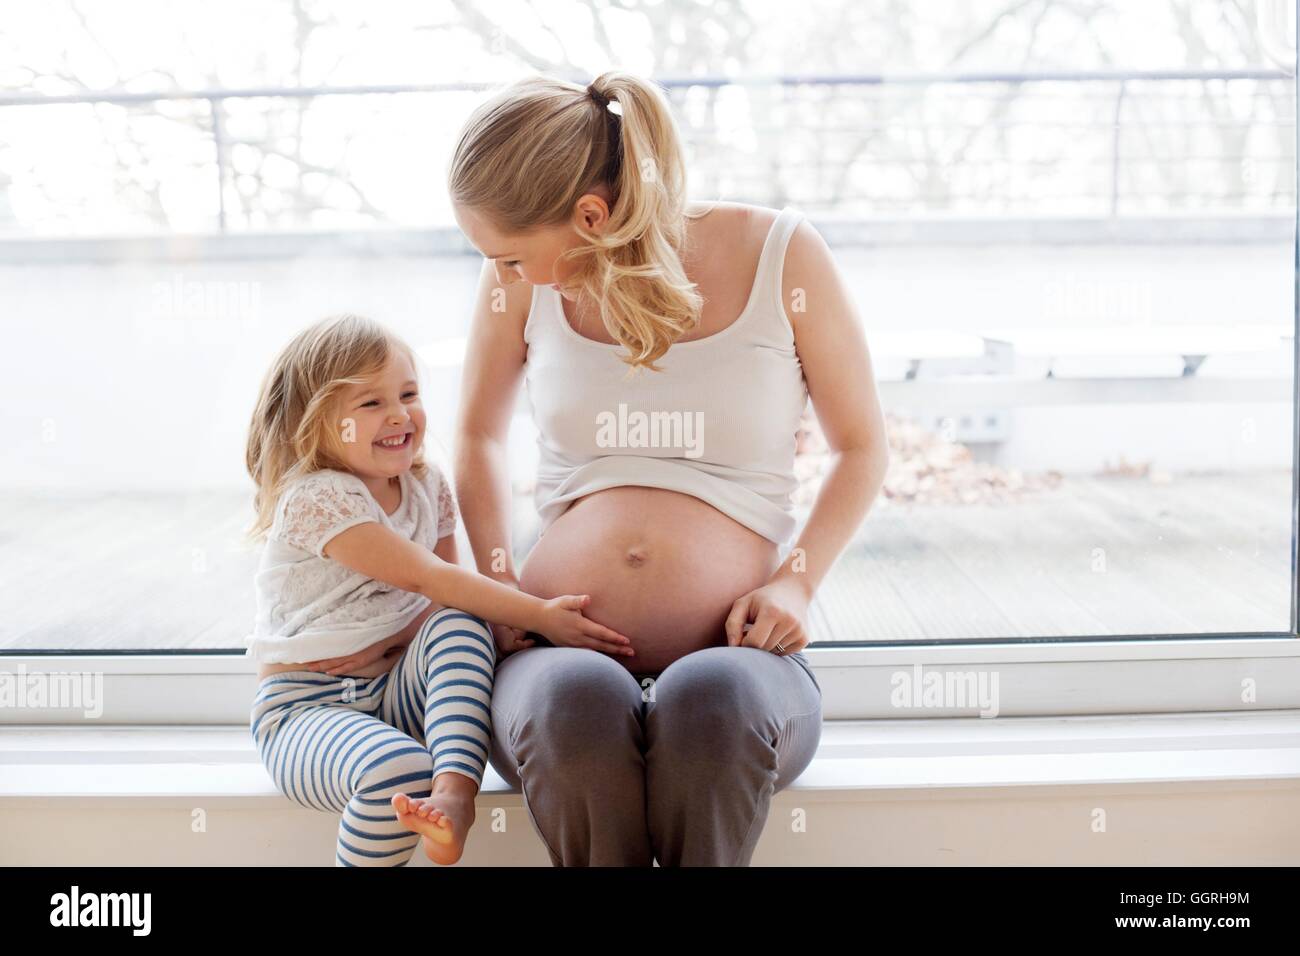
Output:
x,y
534,256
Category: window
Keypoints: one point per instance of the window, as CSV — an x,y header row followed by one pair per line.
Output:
x,y
1069,230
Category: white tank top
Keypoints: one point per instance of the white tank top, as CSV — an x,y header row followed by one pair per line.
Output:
x,y
719,422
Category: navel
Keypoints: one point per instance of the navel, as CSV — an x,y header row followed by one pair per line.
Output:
x,y
636,556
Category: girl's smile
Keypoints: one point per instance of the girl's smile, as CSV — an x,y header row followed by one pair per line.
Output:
x,y
398,442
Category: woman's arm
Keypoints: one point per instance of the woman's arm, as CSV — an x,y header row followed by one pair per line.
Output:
x,y
446,549
494,366
832,348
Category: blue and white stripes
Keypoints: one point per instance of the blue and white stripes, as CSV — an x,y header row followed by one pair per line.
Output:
x,y
348,744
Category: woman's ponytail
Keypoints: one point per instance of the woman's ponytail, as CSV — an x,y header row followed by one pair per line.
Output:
x,y
528,154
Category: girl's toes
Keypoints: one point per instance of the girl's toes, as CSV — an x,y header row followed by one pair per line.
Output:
x,y
400,803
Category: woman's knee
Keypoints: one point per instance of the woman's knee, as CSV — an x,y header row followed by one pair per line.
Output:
x,y
566,704
714,681
712,701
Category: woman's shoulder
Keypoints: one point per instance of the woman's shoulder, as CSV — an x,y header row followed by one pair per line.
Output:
x,y
728,216
739,226
737,223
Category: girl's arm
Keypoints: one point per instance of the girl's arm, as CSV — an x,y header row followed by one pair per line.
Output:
x,y
383,554
378,657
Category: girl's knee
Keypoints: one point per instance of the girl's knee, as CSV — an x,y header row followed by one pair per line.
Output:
x,y
450,627
447,619
408,770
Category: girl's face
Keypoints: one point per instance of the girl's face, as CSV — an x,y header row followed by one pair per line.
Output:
x,y
533,257
381,422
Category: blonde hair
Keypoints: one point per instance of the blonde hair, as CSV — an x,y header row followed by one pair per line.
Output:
x,y
294,428
528,153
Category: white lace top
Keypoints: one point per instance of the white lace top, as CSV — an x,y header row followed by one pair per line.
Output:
x,y
310,607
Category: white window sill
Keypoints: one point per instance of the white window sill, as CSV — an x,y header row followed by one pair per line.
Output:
x,y
1173,790
187,763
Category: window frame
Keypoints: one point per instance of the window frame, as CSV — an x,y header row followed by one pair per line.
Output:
x,y
1043,679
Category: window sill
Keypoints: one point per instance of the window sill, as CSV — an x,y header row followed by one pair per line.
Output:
x,y
1006,790
163,763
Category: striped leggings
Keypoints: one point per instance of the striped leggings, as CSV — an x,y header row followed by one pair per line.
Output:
x,y
348,744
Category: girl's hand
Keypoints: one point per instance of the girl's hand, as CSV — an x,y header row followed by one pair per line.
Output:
x,y
357,664
778,610
510,639
381,666
564,625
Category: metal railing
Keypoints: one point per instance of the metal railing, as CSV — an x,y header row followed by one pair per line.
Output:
x,y
1099,143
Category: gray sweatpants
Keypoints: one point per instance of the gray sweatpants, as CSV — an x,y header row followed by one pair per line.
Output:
x,y
619,771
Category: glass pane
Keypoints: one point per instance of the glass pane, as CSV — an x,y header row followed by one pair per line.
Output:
x,y
1069,231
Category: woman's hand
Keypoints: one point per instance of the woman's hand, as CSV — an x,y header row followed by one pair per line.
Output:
x,y
778,610
564,625
510,639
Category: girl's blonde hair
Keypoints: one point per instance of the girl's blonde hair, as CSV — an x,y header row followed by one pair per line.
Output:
x,y
528,153
295,429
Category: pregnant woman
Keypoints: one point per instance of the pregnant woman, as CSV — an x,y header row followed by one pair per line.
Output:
x,y
669,353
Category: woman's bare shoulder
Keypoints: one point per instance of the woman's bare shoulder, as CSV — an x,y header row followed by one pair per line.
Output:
x,y
725,213
738,225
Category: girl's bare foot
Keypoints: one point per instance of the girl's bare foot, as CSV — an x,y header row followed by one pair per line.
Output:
x,y
443,818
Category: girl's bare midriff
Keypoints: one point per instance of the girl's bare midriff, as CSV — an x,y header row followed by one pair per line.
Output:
x,y
662,567
381,666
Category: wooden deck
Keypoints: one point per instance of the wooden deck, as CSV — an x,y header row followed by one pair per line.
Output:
x,y
1096,556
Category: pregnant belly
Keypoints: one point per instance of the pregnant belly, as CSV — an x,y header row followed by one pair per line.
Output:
x,y
661,567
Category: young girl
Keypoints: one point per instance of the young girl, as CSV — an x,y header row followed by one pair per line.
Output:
x,y
376,656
